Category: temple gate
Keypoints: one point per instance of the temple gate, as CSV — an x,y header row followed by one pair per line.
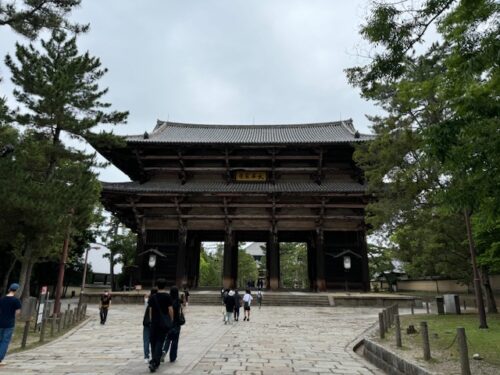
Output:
x,y
230,183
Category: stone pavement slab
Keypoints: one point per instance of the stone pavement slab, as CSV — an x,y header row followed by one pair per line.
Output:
x,y
276,340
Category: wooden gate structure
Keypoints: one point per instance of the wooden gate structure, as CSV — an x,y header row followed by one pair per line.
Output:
x,y
230,183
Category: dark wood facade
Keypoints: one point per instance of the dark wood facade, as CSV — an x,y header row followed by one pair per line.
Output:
x,y
267,183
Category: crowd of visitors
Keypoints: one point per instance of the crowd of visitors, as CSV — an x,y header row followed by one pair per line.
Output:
x,y
232,301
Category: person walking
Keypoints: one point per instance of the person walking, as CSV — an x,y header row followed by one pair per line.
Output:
x,y
10,306
146,331
186,296
230,303
237,305
162,316
104,306
259,298
172,340
247,301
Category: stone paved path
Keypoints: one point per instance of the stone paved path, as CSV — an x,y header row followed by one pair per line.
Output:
x,y
277,340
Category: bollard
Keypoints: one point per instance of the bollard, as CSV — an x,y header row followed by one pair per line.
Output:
x,y
464,352
425,340
65,318
52,325
381,325
85,310
59,321
398,331
386,320
427,306
42,330
70,318
412,309
465,305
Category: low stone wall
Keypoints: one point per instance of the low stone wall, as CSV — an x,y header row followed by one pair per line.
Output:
x,y
117,298
389,361
375,301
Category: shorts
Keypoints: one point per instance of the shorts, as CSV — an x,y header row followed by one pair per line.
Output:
x,y
247,308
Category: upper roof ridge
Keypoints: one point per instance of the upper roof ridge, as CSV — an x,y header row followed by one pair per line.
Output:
x,y
161,125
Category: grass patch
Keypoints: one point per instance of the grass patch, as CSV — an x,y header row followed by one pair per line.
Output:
x,y
442,332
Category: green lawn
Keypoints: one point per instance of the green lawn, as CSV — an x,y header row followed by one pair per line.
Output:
x,y
442,332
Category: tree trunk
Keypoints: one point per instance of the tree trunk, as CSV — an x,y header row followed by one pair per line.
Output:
x,y
6,278
477,282
490,297
25,262
26,288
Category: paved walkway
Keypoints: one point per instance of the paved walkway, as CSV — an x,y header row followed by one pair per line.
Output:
x,y
277,340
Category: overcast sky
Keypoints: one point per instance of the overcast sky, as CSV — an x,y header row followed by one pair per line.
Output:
x,y
223,61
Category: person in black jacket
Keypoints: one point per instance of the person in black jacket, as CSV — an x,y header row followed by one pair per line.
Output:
x,y
162,316
172,340
146,331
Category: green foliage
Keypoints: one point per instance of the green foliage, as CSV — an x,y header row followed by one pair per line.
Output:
x,y
51,190
31,16
380,260
293,265
211,267
247,268
437,150
59,88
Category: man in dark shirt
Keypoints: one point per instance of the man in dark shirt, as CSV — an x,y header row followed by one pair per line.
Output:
x,y
104,306
9,307
161,312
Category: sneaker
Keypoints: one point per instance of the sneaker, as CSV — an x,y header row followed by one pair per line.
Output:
x,y
152,368
146,360
2,363
162,359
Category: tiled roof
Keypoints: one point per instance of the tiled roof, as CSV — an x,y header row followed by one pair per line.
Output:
x,y
318,133
234,187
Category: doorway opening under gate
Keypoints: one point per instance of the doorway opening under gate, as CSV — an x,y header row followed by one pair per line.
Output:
x,y
293,265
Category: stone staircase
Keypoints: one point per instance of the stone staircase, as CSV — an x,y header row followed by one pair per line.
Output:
x,y
269,299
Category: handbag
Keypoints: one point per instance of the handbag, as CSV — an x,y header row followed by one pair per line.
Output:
x,y
165,321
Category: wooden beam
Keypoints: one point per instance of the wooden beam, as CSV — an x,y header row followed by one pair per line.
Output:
x,y
243,205
231,157
249,169
255,217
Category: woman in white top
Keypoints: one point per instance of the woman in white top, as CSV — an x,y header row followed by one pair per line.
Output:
x,y
247,301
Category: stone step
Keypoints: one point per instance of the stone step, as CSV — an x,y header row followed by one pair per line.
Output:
x,y
268,300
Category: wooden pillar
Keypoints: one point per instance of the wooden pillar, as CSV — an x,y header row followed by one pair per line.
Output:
x,y
230,270
320,261
363,247
181,274
193,260
273,264
311,262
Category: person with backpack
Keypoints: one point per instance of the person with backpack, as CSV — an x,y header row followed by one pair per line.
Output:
x,y
237,305
172,340
162,316
259,298
247,301
146,331
229,302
